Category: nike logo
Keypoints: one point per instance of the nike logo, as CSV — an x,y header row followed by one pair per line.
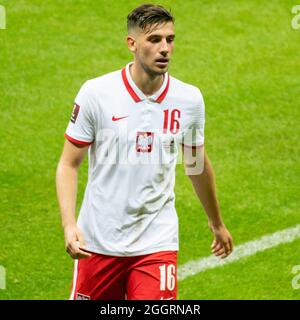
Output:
x,y
162,298
116,119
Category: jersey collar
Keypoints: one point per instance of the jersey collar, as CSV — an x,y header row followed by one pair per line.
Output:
x,y
137,94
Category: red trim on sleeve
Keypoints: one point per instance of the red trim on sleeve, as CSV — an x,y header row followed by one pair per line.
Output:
x,y
164,93
129,88
77,141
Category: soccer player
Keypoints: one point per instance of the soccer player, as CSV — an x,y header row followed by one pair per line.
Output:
x,y
133,123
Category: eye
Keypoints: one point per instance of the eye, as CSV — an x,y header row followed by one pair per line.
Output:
x,y
170,40
154,40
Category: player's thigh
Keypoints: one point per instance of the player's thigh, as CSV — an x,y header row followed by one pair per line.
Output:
x,y
153,277
99,277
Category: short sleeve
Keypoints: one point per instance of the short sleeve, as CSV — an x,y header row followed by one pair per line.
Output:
x,y
81,126
193,135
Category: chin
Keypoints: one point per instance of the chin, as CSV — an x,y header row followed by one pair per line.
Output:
x,y
160,71
155,70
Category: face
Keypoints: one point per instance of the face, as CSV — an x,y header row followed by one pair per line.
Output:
x,y
153,47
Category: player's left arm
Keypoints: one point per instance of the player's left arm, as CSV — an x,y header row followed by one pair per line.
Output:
x,y
200,171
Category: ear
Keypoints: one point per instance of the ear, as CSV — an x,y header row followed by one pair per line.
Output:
x,y
131,43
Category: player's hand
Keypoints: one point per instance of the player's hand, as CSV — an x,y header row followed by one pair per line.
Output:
x,y
222,245
74,242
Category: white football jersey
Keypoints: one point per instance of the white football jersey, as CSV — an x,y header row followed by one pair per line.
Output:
x,y
129,203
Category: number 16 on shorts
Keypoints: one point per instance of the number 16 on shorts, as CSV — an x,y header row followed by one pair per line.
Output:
x,y
167,277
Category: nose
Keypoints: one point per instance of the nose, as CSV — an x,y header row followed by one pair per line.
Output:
x,y
164,49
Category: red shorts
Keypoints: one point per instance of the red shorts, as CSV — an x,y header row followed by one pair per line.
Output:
x,y
148,277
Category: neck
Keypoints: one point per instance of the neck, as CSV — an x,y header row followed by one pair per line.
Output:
x,y
147,83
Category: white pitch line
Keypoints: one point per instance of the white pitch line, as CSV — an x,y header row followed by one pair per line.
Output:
x,y
244,250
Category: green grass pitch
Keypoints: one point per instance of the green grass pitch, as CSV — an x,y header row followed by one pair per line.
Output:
x,y
243,55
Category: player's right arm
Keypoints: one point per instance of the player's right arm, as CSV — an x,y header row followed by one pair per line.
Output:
x,y
66,186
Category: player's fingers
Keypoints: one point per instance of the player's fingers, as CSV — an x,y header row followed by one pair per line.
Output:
x,y
214,243
227,247
80,239
72,249
76,253
70,252
82,255
219,252
225,254
217,247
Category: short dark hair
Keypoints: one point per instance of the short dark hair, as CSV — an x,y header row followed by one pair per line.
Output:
x,y
147,15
